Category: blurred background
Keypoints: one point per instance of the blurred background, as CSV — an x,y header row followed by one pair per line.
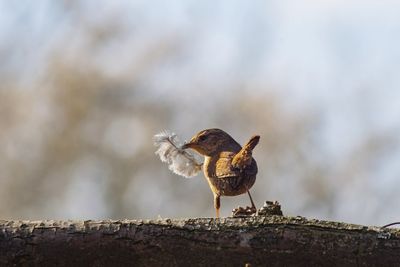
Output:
x,y
86,84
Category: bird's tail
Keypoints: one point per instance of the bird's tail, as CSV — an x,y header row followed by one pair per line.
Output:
x,y
251,144
244,157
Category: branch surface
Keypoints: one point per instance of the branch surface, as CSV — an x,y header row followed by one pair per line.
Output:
x,y
257,240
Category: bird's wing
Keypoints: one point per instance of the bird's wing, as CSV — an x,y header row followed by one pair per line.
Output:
x,y
223,166
225,170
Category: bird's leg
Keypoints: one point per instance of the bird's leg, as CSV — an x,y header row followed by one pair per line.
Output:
x,y
240,211
217,204
253,207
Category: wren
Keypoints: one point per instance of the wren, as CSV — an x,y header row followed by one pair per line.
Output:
x,y
229,168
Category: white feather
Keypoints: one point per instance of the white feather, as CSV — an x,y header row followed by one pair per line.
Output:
x,y
179,161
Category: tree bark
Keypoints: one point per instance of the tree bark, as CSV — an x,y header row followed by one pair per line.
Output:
x,y
257,240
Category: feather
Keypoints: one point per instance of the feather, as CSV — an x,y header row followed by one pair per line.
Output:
x,y
179,161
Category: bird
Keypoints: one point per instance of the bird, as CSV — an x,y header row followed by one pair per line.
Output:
x,y
229,168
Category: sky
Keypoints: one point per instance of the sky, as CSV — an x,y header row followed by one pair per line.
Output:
x,y
337,59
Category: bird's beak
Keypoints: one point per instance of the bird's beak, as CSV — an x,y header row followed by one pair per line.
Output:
x,y
191,144
188,145
194,144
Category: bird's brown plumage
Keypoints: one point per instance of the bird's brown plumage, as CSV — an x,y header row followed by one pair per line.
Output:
x,y
230,169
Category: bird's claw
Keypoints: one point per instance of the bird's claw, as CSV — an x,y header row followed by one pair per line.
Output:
x,y
243,212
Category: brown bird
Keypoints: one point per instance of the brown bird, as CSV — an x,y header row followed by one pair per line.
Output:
x,y
230,169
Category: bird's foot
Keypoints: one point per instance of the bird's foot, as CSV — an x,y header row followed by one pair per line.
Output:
x,y
243,212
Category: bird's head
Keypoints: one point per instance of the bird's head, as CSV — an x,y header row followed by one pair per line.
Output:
x,y
211,141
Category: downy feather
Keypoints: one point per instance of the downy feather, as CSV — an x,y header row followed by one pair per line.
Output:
x,y
179,161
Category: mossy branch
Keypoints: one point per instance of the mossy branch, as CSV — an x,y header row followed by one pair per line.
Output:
x,y
257,240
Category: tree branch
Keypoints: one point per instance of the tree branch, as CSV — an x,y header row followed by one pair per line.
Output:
x,y
258,240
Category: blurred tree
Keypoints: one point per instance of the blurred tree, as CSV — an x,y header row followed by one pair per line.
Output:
x,y
82,95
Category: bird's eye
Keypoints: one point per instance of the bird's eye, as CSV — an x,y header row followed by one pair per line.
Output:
x,y
202,138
